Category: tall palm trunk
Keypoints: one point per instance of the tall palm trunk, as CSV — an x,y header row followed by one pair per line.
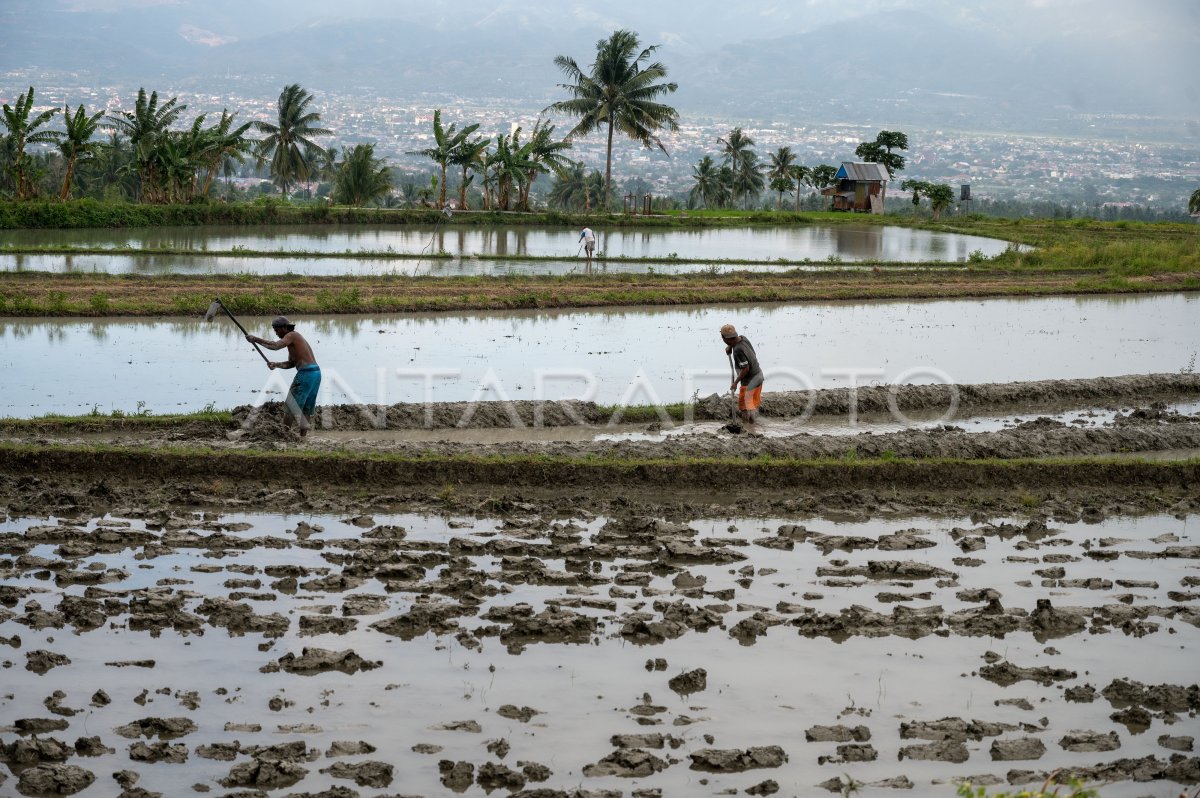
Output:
x,y
462,190
608,165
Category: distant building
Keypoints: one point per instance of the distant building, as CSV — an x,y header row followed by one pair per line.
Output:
x,y
860,187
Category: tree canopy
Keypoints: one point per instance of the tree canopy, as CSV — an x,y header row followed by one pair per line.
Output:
x,y
620,91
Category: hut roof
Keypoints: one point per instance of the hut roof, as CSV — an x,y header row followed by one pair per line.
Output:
x,y
862,171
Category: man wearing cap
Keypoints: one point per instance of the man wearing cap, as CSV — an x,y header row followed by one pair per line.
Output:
x,y
302,396
746,371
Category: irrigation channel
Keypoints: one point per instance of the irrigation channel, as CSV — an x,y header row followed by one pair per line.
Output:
x,y
467,251
627,356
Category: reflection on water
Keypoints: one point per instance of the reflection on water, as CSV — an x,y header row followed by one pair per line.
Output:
x,y
423,266
471,248
635,356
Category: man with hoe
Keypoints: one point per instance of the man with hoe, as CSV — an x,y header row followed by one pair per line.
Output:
x,y
302,396
589,245
745,370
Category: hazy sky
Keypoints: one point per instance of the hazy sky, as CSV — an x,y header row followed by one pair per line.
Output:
x,y
1035,57
699,23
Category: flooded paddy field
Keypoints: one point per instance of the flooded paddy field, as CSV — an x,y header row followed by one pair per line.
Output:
x,y
91,263
282,641
625,356
472,246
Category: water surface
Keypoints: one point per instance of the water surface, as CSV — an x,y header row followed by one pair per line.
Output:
x,y
472,246
623,355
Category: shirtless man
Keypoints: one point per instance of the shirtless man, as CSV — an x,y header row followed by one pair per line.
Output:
x,y
302,396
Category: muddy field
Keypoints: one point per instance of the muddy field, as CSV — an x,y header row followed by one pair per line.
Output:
x,y
253,615
465,644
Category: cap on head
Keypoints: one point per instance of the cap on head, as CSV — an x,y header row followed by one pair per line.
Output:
x,y
281,323
728,331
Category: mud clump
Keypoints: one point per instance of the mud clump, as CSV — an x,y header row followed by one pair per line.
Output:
x,y
457,776
837,734
319,660
943,751
513,712
1005,674
163,728
41,661
693,681
22,753
1159,698
364,774
630,763
264,774
54,780
1090,741
732,760
1018,749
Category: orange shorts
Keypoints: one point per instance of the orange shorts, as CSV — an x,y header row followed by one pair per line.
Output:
x,y
749,400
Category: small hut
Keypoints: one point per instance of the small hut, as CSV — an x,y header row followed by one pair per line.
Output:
x,y
860,187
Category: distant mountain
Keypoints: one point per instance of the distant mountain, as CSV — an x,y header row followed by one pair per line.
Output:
x,y
898,67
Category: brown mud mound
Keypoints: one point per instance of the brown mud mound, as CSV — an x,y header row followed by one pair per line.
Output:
x,y
1135,388
882,398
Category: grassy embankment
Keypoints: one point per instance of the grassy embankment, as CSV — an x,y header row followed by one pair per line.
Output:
x,y
223,420
1036,478
1068,257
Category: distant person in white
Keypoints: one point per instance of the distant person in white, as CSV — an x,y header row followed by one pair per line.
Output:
x,y
589,243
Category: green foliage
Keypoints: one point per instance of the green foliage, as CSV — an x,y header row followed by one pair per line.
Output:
x,y
361,178
1052,788
880,150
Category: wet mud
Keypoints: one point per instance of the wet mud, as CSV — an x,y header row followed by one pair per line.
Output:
x,y
263,615
1138,389
530,644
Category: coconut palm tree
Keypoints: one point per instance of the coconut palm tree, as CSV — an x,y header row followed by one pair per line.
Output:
x,y
22,131
780,173
567,192
802,176
288,143
748,177
618,92
446,143
507,166
145,126
76,143
738,151
361,178
543,155
708,186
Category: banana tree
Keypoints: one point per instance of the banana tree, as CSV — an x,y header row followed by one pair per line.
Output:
x,y
23,130
76,143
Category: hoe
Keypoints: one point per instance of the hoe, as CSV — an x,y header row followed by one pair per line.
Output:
x,y
734,425
216,307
